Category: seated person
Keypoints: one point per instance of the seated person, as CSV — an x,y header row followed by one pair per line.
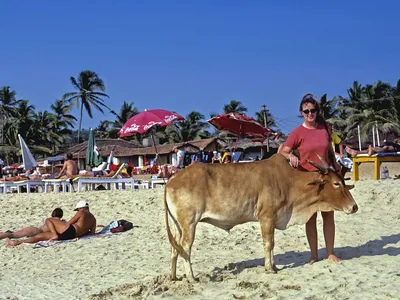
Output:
x,y
31,230
166,171
388,147
70,168
216,158
227,159
83,223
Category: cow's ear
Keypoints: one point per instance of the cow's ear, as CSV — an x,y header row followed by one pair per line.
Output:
x,y
317,182
350,186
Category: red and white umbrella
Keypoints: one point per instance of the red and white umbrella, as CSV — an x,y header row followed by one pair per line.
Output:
x,y
146,119
240,125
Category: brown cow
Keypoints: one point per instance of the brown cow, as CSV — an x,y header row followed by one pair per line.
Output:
x,y
268,191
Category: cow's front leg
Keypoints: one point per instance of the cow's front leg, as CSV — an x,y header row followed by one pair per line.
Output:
x,y
267,231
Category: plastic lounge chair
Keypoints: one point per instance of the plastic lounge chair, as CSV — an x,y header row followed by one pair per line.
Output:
x,y
155,181
61,184
6,185
115,179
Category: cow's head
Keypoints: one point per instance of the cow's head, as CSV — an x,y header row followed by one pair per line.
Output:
x,y
332,188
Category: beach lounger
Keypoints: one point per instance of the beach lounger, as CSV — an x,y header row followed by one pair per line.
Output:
x,y
62,185
155,181
5,186
115,181
377,159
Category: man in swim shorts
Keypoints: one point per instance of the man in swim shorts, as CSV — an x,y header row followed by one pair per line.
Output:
x,y
83,223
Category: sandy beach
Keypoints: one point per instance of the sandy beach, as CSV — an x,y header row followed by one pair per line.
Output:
x,y
135,264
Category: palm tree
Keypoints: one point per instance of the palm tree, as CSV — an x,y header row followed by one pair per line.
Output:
x,y
61,111
127,111
235,107
270,119
192,128
7,106
90,90
102,130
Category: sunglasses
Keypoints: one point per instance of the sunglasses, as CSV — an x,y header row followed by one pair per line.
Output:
x,y
307,111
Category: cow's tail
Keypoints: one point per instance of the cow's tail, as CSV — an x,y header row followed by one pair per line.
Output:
x,y
171,238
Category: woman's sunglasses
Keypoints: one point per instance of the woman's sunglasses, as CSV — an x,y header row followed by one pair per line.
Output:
x,y
307,111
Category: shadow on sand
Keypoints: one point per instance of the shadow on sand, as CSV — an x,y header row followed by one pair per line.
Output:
x,y
294,259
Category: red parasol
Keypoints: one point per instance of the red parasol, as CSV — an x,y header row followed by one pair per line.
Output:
x,y
143,121
240,125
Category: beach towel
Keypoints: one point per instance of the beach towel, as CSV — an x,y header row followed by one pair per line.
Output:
x,y
45,244
388,154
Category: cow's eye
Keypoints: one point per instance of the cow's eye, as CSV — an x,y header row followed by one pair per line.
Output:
x,y
336,184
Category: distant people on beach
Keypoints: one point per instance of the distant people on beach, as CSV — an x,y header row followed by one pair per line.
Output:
x,y
83,223
180,155
31,230
70,168
387,147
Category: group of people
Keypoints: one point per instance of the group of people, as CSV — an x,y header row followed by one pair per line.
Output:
x,y
55,228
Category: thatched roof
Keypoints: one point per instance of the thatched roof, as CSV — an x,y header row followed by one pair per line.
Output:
x,y
244,144
105,145
122,148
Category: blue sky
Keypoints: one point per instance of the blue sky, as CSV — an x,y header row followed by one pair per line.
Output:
x,y
198,55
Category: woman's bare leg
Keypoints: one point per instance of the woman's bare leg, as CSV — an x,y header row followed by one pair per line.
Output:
x,y
37,238
329,235
312,237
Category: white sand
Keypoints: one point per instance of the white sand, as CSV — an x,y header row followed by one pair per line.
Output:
x,y
135,264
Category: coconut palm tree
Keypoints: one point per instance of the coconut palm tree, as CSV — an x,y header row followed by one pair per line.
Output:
x,y
127,111
235,107
90,90
192,128
7,106
269,118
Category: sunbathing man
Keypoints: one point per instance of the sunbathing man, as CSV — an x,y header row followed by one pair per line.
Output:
x,y
70,168
31,230
83,223
389,147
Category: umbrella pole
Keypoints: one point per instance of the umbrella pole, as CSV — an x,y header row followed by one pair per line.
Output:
x,y
158,157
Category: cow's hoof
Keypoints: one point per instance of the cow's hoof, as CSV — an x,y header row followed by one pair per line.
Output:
x,y
173,278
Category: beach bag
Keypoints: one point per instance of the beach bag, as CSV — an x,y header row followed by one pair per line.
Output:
x,y
123,225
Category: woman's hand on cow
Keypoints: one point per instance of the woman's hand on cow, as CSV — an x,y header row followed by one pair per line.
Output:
x,y
294,160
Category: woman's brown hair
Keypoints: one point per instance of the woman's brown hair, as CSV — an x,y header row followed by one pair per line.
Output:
x,y
310,98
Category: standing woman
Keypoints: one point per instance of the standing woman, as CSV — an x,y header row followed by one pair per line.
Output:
x,y
309,139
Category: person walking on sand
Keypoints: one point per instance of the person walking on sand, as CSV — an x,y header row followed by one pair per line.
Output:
x,y
311,139
83,223
31,230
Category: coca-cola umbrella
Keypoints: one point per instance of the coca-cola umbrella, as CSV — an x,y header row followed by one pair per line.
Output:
x,y
146,119
240,125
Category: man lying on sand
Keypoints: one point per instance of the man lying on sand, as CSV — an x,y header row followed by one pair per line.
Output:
x,y
31,230
83,223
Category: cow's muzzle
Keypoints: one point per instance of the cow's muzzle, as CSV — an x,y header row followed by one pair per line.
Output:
x,y
351,209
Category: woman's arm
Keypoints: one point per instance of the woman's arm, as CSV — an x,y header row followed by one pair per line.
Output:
x,y
287,152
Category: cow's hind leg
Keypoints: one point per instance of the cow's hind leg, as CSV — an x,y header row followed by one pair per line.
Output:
x,y
174,256
267,231
187,239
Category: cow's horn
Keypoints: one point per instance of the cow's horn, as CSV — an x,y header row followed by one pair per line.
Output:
x,y
323,169
324,163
